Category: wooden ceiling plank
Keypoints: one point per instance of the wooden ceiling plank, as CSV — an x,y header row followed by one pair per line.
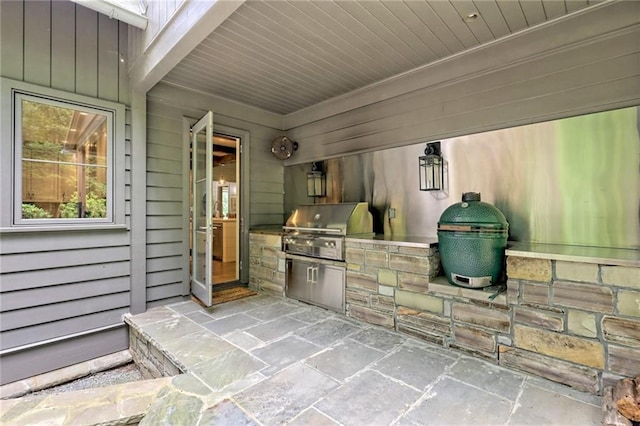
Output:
x,y
344,39
222,51
227,84
492,16
224,78
357,45
379,48
284,61
405,14
478,26
189,76
454,22
288,44
227,81
423,10
233,55
230,43
399,28
396,48
330,47
513,15
533,11
573,5
553,8
261,40
240,99
303,44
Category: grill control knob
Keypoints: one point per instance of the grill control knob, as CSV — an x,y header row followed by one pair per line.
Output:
x,y
330,244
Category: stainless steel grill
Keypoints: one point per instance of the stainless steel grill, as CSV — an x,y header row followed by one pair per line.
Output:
x,y
314,243
318,230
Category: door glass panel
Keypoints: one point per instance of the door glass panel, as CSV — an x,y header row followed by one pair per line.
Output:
x,y
200,209
200,257
201,216
200,156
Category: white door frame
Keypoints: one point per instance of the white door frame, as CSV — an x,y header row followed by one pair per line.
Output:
x,y
243,199
202,211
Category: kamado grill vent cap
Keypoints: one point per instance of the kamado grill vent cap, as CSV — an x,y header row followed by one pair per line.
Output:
x,y
471,196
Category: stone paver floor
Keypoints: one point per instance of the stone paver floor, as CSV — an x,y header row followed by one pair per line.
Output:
x,y
264,360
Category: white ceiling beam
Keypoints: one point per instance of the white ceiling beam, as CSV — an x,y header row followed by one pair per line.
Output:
x,y
191,24
116,11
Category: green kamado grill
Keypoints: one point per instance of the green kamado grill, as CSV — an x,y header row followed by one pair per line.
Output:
x,y
472,237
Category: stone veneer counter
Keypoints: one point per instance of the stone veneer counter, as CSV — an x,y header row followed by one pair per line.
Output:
x,y
569,314
385,272
601,255
575,313
266,260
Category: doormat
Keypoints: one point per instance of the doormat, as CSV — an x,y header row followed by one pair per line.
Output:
x,y
230,294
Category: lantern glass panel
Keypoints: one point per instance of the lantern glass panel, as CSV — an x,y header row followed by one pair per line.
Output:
x,y
316,184
430,173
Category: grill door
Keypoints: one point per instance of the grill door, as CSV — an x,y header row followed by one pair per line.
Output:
x,y
316,283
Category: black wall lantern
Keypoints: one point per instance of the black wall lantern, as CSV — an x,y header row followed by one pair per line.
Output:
x,y
316,181
430,168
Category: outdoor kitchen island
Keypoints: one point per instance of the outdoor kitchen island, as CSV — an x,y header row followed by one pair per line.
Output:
x,y
568,314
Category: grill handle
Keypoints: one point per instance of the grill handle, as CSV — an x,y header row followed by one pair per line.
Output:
x,y
312,274
329,230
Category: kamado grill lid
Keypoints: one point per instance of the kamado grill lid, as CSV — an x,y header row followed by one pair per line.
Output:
x,y
472,214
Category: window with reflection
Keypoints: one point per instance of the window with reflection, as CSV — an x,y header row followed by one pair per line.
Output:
x,y
62,161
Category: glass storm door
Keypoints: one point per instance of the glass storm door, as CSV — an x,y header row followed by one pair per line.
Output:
x,y
202,211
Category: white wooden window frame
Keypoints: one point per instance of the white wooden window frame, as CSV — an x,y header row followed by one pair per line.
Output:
x,y
11,93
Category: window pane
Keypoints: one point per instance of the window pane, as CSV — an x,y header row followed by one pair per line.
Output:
x,y
64,162
44,129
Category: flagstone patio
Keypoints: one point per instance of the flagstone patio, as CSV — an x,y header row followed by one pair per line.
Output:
x,y
265,360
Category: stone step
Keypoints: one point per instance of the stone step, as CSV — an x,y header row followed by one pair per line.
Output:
x,y
125,403
64,375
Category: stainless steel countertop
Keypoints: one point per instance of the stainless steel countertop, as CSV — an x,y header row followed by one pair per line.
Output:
x,y
398,240
267,229
600,255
